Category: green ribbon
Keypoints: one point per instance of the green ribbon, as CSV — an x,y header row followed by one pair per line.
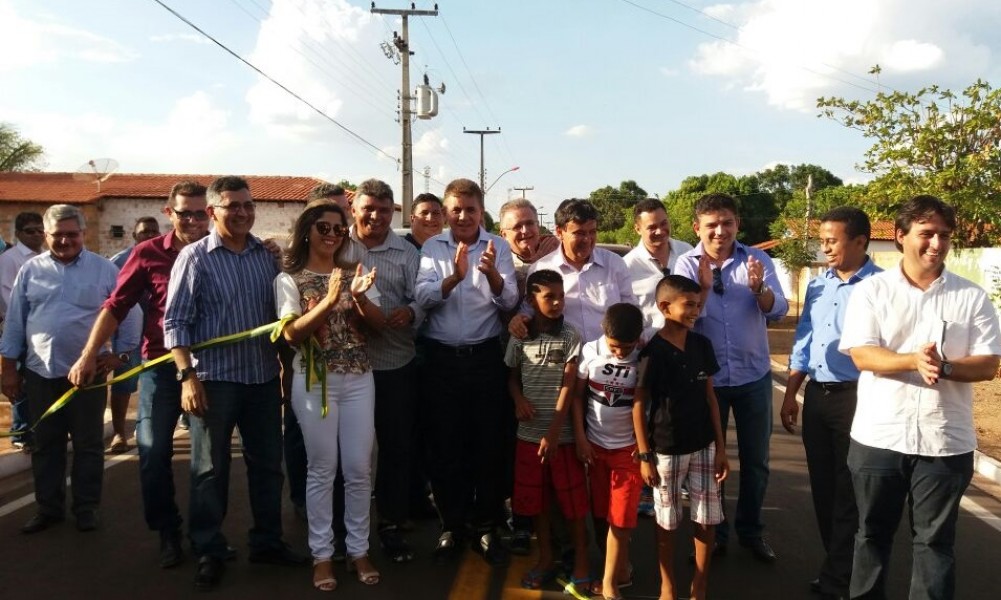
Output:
x,y
274,330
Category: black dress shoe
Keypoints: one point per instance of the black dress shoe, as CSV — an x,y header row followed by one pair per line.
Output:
x,y
489,546
171,552
815,585
40,522
760,549
282,556
209,573
230,554
446,549
88,520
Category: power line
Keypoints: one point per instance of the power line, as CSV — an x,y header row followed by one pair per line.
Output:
x,y
745,48
345,128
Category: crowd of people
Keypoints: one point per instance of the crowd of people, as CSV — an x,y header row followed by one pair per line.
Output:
x,y
470,369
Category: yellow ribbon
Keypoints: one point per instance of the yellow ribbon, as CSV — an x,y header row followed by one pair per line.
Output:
x,y
274,330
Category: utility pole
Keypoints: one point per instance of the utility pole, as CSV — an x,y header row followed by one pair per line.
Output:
x,y
481,133
523,190
402,44
427,179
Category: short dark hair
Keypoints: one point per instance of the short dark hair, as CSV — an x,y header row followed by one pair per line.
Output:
x,y
647,205
325,190
855,220
185,188
24,219
464,188
427,197
921,208
676,284
540,278
375,188
715,202
226,183
142,220
576,210
623,322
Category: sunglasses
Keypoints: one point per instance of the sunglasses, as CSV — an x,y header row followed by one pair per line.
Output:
x,y
190,215
718,281
326,229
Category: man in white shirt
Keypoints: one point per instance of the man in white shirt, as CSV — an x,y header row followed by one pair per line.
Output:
x,y
653,258
920,336
30,241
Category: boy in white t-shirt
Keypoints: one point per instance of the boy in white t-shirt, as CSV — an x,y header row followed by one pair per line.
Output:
x,y
607,379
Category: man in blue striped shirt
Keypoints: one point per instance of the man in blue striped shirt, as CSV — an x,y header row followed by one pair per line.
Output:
x,y
223,284
829,402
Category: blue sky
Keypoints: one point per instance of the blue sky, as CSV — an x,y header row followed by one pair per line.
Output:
x,y
587,92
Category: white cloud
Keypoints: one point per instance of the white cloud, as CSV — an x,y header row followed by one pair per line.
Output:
x,y
794,50
579,131
25,42
669,72
311,48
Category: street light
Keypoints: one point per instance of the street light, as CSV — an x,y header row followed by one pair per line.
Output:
x,y
498,179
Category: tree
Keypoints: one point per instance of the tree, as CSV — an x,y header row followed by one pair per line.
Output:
x,y
18,153
933,142
782,181
610,203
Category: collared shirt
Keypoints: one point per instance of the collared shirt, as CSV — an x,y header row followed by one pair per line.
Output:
x,y
646,272
213,292
815,350
143,280
52,308
899,411
395,263
11,262
733,321
471,313
603,281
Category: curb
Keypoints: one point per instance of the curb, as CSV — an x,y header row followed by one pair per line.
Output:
x,y
983,465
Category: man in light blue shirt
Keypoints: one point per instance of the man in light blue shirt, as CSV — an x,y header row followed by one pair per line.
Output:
x,y
465,281
740,294
829,402
54,302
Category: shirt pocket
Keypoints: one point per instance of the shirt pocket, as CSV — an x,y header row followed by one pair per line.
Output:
x,y
85,296
600,292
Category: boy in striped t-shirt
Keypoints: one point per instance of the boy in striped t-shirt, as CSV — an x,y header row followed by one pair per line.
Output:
x,y
543,367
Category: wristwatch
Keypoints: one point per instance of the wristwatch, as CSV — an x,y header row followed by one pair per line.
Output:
x,y
645,456
124,357
764,289
946,368
182,374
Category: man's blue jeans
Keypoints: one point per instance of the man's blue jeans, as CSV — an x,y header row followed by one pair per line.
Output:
x,y
256,410
932,487
159,408
752,414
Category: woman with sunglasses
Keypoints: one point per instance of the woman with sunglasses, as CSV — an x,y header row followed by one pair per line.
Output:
x,y
334,302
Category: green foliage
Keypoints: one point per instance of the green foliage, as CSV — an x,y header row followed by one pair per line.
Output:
x,y
18,153
490,224
933,141
626,234
610,203
794,249
344,183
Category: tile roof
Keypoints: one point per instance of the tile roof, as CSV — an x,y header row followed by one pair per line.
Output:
x,y
881,230
64,188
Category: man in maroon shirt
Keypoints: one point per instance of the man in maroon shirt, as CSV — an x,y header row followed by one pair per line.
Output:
x,y
143,280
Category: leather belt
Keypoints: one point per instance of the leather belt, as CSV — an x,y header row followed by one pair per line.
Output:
x,y
835,386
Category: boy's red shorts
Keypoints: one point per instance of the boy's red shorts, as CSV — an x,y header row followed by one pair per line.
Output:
x,y
615,486
535,483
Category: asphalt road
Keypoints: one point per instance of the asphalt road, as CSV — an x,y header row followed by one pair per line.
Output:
x,y
120,560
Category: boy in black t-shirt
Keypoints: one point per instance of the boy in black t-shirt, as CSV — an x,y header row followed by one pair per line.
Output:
x,y
683,428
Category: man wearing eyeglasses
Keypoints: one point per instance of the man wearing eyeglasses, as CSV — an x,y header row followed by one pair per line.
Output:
x,y
830,398
920,335
143,282
220,285
653,258
740,294
56,297
30,242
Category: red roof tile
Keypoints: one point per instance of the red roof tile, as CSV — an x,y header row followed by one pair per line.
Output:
x,y
881,230
62,187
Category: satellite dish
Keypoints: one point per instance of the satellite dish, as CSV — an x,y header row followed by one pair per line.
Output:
x,y
96,170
